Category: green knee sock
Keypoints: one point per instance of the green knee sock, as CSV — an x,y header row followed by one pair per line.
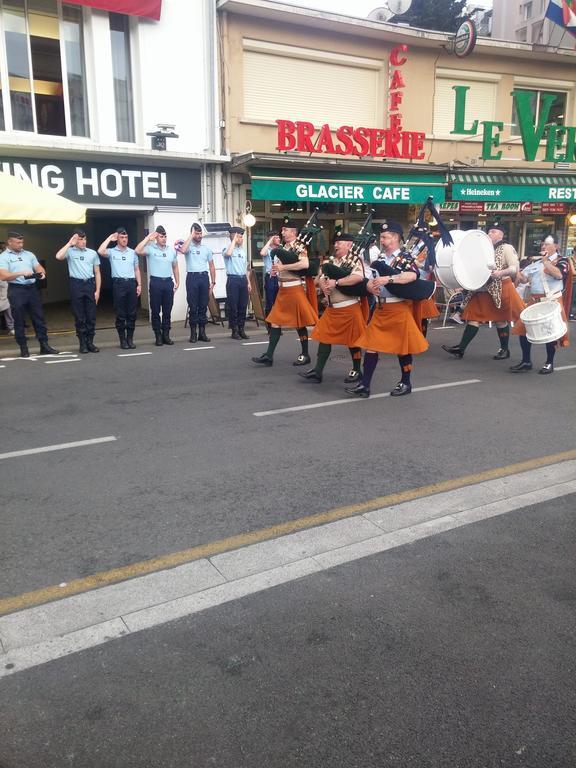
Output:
x,y
323,356
469,332
273,340
504,336
356,354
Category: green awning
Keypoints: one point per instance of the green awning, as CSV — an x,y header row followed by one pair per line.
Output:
x,y
514,179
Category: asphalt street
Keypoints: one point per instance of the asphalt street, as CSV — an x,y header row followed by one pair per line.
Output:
x,y
192,463
452,652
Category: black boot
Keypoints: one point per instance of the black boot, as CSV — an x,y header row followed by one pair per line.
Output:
x,y
159,341
90,343
235,335
166,338
83,348
242,333
193,334
46,349
202,334
130,340
123,342
24,352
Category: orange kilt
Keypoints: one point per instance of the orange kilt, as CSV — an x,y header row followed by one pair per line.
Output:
x,y
425,309
292,309
481,308
393,330
520,329
340,326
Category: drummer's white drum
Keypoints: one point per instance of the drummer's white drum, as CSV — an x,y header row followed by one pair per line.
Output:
x,y
543,322
467,263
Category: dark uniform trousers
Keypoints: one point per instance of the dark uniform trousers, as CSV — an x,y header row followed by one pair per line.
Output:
x,y
125,303
83,305
236,300
26,298
270,291
161,300
197,292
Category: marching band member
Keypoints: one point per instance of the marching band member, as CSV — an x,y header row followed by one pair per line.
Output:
x,y
550,275
392,329
291,308
343,320
498,301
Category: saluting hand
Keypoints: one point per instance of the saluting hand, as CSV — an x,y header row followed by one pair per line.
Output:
x,y
113,237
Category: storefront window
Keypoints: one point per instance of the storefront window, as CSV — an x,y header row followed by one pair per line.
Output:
x,y
122,69
556,114
37,76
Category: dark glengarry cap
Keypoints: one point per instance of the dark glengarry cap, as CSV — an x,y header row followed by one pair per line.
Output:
x,y
393,226
14,235
236,231
195,228
289,223
343,236
121,231
160,229
497,225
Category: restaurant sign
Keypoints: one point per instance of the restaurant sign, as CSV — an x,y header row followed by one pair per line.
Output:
x,y
510,192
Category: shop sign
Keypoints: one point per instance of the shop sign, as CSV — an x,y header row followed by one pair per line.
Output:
x,y
341,191
507,207
496,192
467,207
449,207
392,142
110,184
556,208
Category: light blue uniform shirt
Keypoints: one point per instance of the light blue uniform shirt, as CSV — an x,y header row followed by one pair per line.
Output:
x,y
122,263
237,264
534,273
25,261
160,260
268,260
81,262
197,258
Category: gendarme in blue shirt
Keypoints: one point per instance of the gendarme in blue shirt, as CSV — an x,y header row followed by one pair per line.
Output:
x,y
25,261
197,258
81,262
236,264
268,261
122,263
160,260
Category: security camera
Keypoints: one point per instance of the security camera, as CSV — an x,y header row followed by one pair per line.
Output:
x,y
166,127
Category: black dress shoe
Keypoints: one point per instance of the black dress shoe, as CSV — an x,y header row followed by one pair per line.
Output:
x,y
312,376
302,360
521,367
546,369
358,391
263,360
456,351
353,376
502,354
46,349
401,389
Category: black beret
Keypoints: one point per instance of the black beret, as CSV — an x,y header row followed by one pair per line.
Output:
x,y
343,236
273,233
15,235
79,232
160,229
393,226
196,228
236,231
121,231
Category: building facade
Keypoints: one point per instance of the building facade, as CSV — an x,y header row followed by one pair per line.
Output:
x,y
348,114
82,88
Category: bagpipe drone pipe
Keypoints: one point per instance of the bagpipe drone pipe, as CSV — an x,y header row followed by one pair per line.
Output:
x,y
362,241
292,252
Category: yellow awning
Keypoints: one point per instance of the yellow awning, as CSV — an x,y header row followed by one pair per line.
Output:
x,y
22,202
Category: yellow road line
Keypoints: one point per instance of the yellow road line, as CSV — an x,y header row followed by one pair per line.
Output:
x,y
116,575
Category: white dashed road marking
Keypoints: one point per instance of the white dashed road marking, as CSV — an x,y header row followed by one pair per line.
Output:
x,y
252,343
58,447
195,349
67,360
134,354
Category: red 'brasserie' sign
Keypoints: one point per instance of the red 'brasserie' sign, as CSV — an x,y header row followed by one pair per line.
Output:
x,y
346,140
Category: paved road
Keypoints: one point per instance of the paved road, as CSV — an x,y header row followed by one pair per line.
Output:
x,y
192,463
454,651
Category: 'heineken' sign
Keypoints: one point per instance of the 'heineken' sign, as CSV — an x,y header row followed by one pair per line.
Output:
x,y
560,140
511,192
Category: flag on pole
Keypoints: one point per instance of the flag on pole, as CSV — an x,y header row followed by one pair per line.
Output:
x,y
563,13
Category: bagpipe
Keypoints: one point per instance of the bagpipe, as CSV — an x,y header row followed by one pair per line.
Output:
x,y
292,252
362,241
419,238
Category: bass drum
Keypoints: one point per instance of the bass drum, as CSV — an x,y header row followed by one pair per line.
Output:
x,y
467,263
